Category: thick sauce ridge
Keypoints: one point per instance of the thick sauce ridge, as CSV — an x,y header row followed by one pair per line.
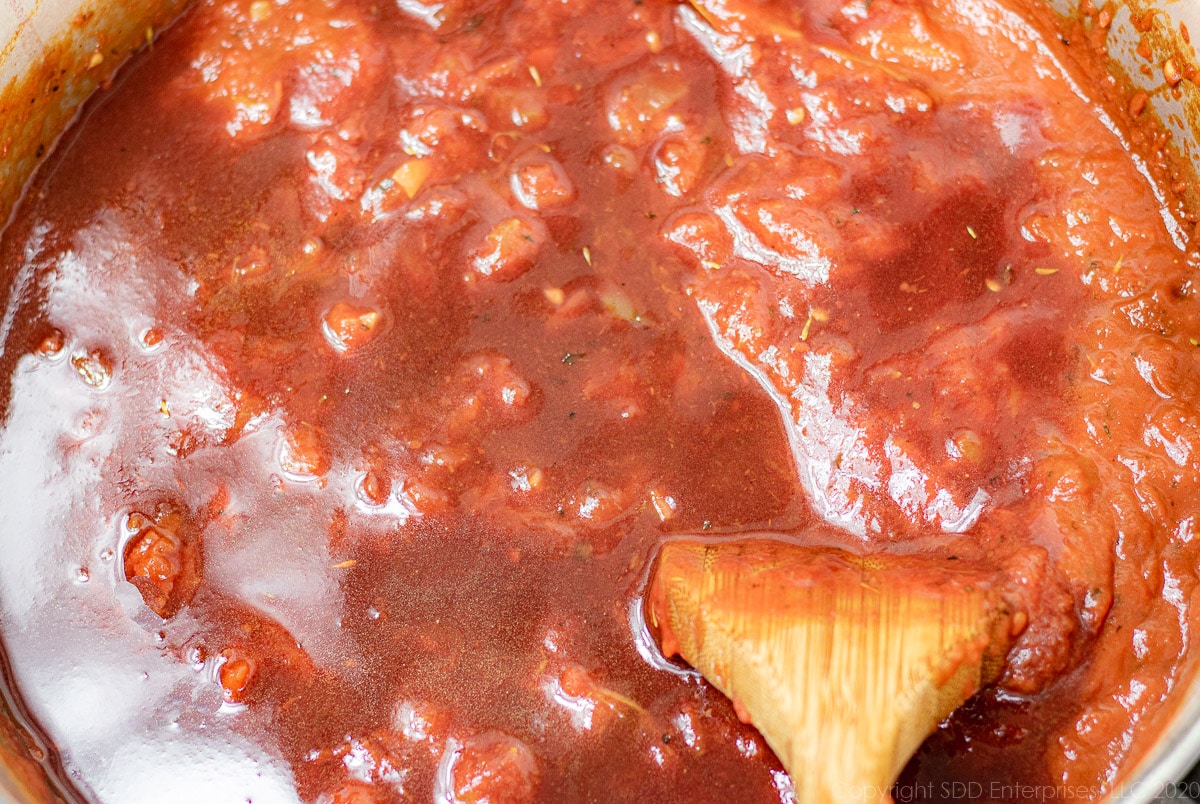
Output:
x,y
362,355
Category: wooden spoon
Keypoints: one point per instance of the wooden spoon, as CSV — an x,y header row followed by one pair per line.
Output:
x,y
844,663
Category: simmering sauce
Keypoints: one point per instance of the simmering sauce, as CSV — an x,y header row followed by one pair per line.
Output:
x,y
360,356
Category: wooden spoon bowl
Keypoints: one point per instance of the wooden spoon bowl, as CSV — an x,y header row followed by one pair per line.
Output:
x,y
844,663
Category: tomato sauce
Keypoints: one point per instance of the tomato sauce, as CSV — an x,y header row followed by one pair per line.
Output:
x,y
361,356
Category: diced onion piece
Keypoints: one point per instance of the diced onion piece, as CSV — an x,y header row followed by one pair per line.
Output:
x,y
411,175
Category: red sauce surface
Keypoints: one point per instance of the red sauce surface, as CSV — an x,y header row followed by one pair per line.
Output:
x,y
362,355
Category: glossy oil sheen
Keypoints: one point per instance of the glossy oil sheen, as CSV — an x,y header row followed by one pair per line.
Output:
x,y
877,275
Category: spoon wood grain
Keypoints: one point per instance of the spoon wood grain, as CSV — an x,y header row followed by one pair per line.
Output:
x,y
844,663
